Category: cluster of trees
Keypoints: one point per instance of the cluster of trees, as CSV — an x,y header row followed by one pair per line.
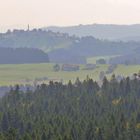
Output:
x,y
101,61
22,55
132,58
56,67
79,111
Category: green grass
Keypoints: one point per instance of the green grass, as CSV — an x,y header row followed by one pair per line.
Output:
x,y
16,74
127,70
92,60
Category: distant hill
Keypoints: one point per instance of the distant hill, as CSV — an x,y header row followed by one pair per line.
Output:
x,y
89,46
132,58
63,48
102,31
67,56
36,38
22,55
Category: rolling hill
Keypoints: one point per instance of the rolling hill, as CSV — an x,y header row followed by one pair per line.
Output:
x,y
63,48
102,31
35,38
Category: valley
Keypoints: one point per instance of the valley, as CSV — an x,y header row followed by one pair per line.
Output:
x,y
43,73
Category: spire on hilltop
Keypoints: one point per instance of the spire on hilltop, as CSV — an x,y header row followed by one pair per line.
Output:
x,y
28,29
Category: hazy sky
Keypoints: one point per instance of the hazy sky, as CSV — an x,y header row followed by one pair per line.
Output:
x,y
68,12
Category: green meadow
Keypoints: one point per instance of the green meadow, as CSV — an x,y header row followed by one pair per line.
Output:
x,y
92,60
27,73
20,73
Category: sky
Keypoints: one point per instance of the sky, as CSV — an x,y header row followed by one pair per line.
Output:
x,y
40,13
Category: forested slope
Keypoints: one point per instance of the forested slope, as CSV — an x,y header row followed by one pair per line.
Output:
x,y
80,111
64,48
22,55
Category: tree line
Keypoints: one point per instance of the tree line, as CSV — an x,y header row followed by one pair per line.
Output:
x,y
83,110
22,55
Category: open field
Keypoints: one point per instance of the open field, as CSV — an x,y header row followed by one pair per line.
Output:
x,y
92,60
127,70
13,74
27,73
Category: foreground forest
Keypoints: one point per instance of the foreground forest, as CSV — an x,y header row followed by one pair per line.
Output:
x,y
80,111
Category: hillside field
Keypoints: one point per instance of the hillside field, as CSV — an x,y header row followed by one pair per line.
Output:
x,y
92,60
27,73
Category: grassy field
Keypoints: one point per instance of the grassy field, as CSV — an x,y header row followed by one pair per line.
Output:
x,y
27,73
127,70
13,74
92,60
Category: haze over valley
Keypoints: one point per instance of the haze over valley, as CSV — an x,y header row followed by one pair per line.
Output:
x,y
70,70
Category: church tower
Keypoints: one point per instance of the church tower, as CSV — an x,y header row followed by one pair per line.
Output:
x,y
28,29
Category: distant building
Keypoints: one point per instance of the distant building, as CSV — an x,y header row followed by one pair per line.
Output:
x,y
70,67
90,67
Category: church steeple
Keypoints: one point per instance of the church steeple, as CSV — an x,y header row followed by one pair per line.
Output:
x,y
28,29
